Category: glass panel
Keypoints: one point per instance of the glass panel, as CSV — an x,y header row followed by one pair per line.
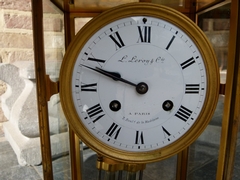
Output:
x,y
100,3
204,3
20,152
236,170
215,24
165,169
170,3
203,154
80,22
53,22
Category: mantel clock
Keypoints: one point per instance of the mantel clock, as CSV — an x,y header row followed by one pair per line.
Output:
x,y
139,83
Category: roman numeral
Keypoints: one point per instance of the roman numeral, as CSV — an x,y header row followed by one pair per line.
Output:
x,y
183,113
187,63
95,112
113,131
139,138
96,60
117,40
169,44
89,87
144,34
192,88
166,133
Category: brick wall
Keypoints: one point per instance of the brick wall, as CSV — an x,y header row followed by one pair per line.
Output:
x,y
16,37
15,31
16,40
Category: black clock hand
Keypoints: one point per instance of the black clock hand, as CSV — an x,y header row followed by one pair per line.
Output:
x,y
141,87
115,76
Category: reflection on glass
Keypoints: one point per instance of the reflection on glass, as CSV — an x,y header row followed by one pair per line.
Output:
x,y
53,20
80,22
100,3
170,3
236,173
205,3
216,24
203,153
165,169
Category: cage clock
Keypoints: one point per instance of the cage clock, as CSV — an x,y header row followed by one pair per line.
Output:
x,y
139,83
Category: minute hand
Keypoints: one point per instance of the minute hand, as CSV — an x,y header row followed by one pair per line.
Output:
x,y
115,76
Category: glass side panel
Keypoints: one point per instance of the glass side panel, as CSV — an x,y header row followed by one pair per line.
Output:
x,y
170,3
165,169
203,153
80,22
53,24
204,3
100,3
236,170
215,24
203,156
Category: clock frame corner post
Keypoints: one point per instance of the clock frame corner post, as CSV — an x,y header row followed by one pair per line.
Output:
x,y
39,59
182,163
231,113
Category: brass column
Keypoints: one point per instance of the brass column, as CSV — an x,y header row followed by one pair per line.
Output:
x,y
38,41
231,112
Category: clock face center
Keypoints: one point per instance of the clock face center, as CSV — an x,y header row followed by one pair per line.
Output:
x,y
157,76
142,88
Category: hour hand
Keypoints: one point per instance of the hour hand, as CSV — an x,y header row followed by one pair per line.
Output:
x,y
114,75
141,87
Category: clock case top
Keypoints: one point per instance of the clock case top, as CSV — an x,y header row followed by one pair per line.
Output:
x,y
140,9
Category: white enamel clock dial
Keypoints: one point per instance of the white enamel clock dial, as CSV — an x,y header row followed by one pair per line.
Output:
x,y
146,50
138,84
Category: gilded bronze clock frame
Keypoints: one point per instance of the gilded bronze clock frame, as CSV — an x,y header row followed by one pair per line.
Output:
x,y
231,109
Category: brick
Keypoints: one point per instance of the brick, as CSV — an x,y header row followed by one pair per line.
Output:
x,y
10,56
18,21
49,7
53,24
16,40
80,22
25,5
22,5
21,56
53,55
53,41
221,24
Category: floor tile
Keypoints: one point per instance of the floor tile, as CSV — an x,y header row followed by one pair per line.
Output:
x,y
19,173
